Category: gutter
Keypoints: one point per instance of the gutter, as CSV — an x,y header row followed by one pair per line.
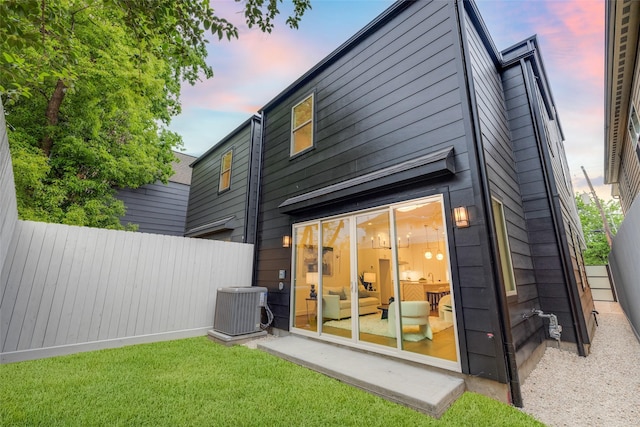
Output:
x,y
263,121
501,298
552,197
256,120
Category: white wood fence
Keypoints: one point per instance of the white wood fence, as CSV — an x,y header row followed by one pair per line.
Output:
x,y
67,289
8,209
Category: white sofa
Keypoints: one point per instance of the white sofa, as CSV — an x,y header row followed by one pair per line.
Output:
x,y
413,313
333,307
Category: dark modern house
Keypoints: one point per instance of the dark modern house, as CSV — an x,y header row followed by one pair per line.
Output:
x,y
223,197
160,208
414,199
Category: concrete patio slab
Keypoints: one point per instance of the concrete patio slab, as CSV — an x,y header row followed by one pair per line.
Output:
x,y
418,388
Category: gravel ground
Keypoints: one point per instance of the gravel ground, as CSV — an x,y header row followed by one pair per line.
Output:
x,y
602,389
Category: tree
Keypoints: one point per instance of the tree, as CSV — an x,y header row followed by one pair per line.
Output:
x,y
89,88
597,251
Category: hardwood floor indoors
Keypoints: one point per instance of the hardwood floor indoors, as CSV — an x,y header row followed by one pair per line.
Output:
x,y
442,345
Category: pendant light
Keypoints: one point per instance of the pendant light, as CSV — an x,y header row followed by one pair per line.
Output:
x,y
427,254
439,255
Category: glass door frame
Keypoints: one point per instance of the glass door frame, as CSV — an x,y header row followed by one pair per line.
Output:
x,y
398,351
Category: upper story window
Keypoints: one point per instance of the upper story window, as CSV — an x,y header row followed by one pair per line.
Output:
x,y
504,251
225,171
302,126
634,126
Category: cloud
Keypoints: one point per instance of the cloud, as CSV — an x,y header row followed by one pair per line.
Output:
x,y
250,71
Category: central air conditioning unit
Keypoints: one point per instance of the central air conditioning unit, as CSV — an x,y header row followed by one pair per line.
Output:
x,y
238,310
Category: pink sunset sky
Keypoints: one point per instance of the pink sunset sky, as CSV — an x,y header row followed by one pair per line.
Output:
x,y
252,70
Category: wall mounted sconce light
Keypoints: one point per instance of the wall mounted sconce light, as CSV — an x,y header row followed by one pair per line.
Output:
x,y
461,216
286,241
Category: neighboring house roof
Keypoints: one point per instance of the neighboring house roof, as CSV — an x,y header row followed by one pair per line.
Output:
x,y
621,49
182,169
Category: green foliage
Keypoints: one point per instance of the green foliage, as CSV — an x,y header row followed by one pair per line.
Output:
x,y
195,382
597,251
89,87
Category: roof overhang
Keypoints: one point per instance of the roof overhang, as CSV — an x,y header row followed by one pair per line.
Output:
x,y
621,48
428,166
217,226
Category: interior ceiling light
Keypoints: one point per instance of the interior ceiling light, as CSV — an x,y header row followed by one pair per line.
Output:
x,y
427,254
439,255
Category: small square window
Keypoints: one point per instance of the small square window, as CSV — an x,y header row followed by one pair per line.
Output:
x,y
302,126
225,171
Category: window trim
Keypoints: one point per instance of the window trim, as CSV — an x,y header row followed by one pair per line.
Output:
x,y
634,125
223,171
310,121
634,128
504,246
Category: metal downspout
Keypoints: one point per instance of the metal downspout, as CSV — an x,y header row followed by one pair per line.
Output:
x,y
503,309
258,193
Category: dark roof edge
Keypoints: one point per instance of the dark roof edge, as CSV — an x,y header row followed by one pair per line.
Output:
x,y
535,55
474,14
231,134
212,227
503,60
371,27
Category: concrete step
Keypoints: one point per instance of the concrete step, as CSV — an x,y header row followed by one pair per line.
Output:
x,y
418,388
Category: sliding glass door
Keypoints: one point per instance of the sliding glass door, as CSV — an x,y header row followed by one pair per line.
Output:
x,y
373,249
379,277
337,277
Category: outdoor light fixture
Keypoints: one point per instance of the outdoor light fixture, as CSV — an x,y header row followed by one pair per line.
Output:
x,y
286,241
461,216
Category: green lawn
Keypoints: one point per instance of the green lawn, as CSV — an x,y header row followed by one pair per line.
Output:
x,y
195,382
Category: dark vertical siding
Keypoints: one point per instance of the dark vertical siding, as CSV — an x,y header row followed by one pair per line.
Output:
x,y
529,155
505,186
396,94
206,204
563,193
156,208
